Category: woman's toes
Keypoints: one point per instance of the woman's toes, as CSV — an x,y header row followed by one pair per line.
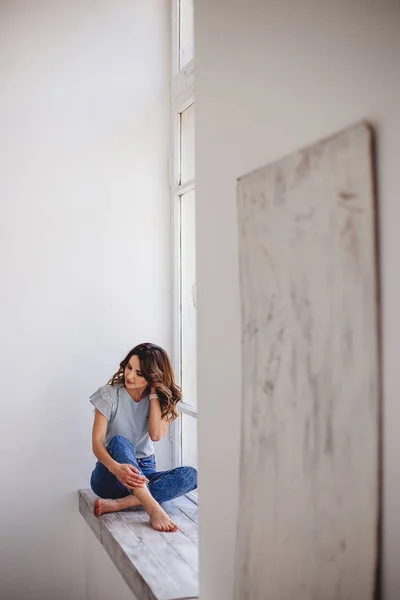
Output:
x,y
172,526
97,508
160,520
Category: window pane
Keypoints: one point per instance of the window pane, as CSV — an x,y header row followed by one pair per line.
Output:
x,y
187,144
186,32
188,298
189,441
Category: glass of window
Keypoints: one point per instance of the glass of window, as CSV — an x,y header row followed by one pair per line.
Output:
x,y
187,144
188,298
186,32
189,440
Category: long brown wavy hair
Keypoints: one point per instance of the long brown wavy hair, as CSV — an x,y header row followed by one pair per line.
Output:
x,y
156,368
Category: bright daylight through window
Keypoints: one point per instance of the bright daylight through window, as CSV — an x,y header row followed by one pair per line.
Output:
x,y
184,431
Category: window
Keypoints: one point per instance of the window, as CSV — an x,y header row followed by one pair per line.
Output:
x,y
184,431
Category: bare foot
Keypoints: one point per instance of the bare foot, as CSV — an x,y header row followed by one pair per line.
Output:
x,y
160,521
102,506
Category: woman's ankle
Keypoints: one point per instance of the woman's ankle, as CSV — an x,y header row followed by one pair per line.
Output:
x,y
154,507
128,501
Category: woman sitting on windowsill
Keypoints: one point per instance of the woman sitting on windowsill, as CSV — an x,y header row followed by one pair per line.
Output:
x,y
132,412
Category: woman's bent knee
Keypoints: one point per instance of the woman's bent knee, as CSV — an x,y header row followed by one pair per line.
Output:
x,y
103,489
119,440
190,475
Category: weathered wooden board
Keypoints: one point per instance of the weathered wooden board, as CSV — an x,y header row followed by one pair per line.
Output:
x,y
309,493
155,565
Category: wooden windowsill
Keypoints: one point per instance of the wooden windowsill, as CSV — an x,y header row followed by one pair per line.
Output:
x,y
155,565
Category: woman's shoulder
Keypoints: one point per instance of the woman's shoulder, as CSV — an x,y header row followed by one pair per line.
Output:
x,y
108,392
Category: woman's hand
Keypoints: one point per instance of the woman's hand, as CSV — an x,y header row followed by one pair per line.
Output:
x,y
129,476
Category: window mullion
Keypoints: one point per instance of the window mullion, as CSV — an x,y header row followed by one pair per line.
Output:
x,y
187,409
182,97
184,188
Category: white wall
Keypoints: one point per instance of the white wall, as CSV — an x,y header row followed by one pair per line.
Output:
x,y
84,256
272,77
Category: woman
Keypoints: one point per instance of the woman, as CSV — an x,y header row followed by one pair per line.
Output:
x,y
132,412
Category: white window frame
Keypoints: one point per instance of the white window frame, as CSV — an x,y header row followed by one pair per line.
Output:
x,y
182,96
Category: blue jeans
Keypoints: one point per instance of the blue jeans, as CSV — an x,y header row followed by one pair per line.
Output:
x,y
163,485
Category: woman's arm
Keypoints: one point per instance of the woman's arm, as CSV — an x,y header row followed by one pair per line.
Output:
x,y
157,426
126,474
98,436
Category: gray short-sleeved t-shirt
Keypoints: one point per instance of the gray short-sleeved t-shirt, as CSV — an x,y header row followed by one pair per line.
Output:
x,y
125,417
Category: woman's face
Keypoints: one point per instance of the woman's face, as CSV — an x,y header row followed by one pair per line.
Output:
x,y
133,376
